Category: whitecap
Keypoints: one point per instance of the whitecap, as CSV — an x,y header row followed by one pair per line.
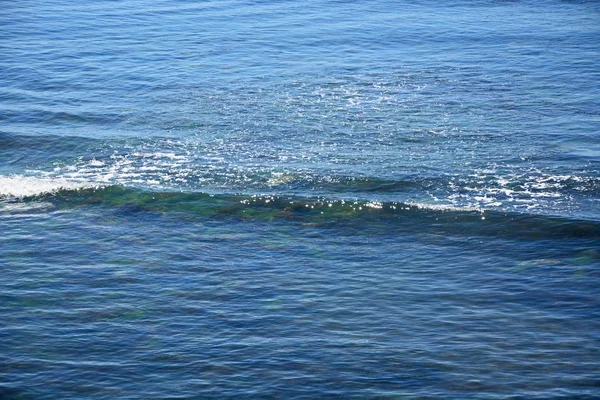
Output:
x,y
20,186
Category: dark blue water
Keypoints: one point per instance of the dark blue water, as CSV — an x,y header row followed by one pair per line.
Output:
x,y
320,199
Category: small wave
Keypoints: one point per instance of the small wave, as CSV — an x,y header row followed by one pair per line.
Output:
x,y
20,186
357,217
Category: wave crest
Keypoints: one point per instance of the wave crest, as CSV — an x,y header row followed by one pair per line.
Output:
x,y
21,186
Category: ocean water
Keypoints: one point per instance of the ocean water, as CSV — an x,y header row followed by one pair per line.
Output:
x,y
280,199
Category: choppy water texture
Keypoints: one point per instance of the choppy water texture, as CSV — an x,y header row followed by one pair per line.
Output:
x,y
320,199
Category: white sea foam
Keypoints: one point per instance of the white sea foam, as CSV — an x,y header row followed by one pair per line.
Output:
x,y
446,207
19,186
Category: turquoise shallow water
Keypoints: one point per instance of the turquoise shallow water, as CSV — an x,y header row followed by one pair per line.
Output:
x,y
327,199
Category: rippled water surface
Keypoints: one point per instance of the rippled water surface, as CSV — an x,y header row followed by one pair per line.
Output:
x,y
320,199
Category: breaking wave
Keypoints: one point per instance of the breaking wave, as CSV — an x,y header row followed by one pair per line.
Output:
x,y
19,186
359,216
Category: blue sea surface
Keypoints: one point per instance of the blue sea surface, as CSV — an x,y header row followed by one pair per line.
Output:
x,y
321,199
